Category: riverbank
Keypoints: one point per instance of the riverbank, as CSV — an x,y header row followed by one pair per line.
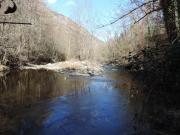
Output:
x,y
74,67
159,71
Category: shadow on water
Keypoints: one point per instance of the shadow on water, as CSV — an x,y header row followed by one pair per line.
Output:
x,y
45,102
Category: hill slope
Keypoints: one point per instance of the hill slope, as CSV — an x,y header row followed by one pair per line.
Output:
x,y
51,37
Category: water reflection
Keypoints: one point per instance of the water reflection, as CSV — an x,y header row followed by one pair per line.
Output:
x,y
44,102
31,86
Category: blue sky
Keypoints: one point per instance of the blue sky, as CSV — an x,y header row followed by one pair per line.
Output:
x,y
90,13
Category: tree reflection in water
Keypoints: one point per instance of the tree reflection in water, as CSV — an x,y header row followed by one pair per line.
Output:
x,y
19,90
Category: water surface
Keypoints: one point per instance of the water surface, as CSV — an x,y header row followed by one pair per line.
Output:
x,y
49,103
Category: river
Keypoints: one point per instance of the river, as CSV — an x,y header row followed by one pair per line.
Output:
x,y
39,102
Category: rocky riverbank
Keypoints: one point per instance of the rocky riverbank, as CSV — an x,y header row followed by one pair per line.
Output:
x,y
74,67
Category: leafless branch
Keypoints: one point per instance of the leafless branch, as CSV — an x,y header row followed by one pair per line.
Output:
x,y
154,10
142,5
16,23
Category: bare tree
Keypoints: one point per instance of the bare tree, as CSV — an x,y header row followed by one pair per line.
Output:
x,y
168,8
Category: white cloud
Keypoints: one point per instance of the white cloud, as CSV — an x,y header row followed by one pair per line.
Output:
x,y
51,1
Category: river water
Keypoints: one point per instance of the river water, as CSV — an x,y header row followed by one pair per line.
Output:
x,y
49,103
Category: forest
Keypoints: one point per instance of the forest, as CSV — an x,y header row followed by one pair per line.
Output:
x,y
140,60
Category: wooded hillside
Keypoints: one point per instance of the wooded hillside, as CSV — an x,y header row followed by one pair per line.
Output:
x,y
36,34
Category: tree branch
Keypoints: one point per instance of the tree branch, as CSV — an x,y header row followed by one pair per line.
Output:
x,y
142,5
15,23
154,10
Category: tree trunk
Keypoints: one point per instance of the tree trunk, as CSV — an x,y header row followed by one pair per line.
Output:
x,y
168,7
178,10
